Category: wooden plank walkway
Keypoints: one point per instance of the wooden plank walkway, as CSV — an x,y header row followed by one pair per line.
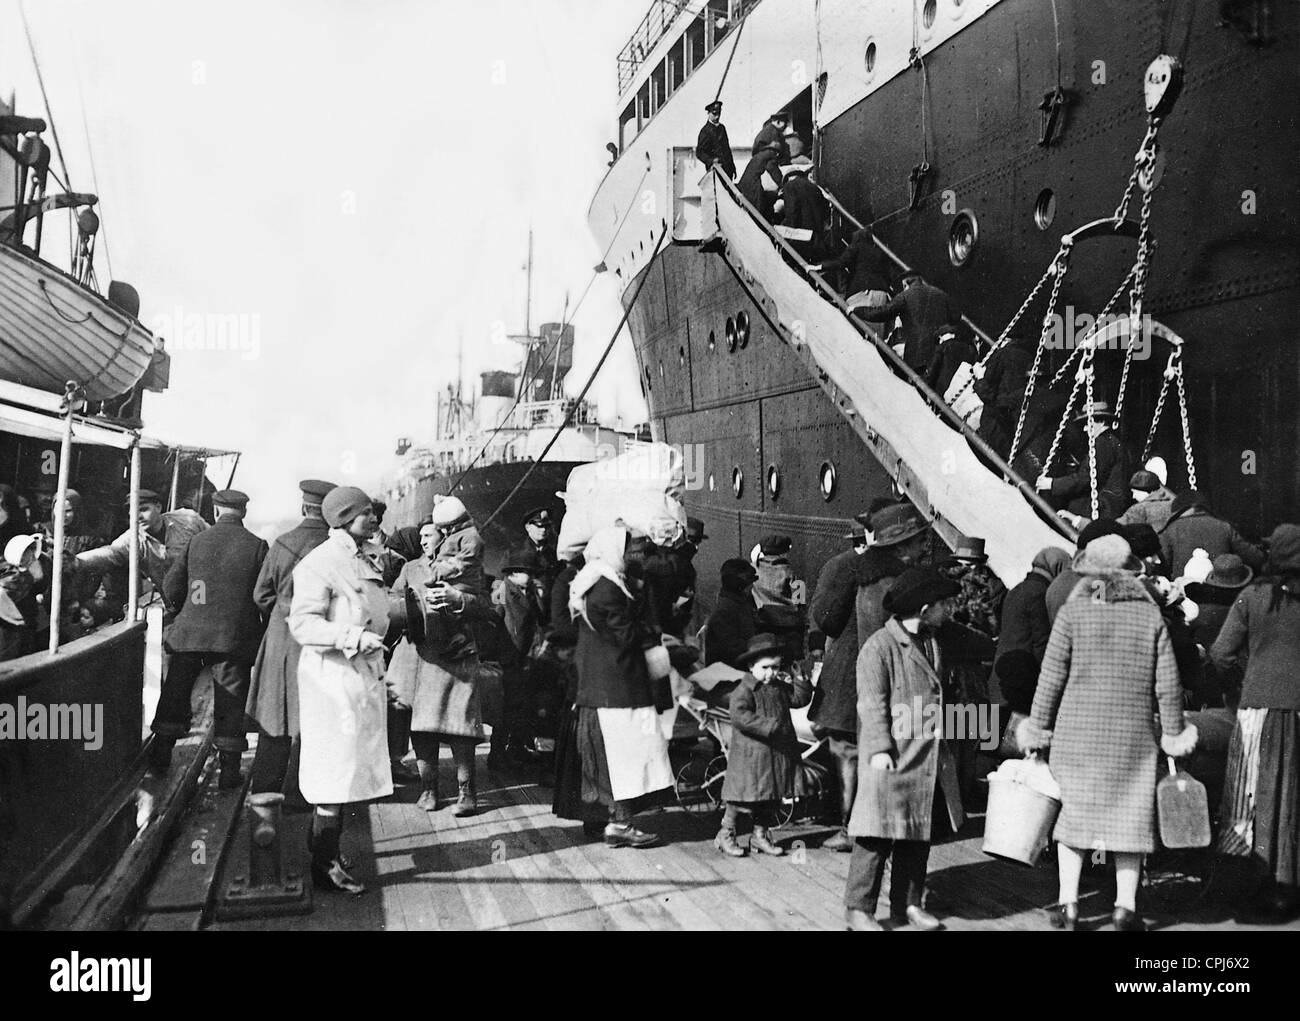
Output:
x,y
515,866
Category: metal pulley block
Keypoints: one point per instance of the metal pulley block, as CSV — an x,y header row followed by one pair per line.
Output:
x,y
1161,84
915,182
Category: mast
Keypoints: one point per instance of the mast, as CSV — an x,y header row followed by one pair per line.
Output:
x,y
528,315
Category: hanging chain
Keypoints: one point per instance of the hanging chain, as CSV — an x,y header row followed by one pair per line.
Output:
x,y
1060,374
1141,265
1187,425
1148,142
1060,426
1092,439
1058,270
1167,376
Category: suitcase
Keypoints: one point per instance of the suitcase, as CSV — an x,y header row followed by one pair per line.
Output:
x,y
1183,810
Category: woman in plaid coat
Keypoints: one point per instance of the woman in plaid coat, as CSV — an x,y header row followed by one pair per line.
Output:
x,y
1109,668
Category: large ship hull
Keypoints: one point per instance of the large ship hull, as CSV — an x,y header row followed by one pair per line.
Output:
x,y
1225,276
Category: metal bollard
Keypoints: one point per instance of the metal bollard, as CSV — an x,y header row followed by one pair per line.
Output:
x,y
265,887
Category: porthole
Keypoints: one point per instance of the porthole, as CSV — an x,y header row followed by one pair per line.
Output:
x,y
928,13
773,481
871,57
713,483
963,235
742,329
827,480
737,482
713,341
1150,180
731,334
1045,209
681,357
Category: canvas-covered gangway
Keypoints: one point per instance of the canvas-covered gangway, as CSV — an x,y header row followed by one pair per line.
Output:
x,y
947,471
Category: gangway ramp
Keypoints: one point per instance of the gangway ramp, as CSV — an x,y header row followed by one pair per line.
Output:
x,y
937,460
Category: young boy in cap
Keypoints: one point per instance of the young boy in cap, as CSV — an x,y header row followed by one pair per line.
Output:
x,y
901,753
764,753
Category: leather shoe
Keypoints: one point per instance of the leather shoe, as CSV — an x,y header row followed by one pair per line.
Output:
x,y
725,842
1127,921
403,774
335,877
626,835
841,842
857,920
760,841
428,800
1064,916
918,918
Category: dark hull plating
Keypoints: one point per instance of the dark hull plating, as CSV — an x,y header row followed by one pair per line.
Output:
x,y
1224,278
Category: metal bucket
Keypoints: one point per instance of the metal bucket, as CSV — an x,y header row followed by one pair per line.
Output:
x,y
1018,822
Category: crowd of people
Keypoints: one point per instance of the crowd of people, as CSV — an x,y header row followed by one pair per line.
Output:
x,y
374,651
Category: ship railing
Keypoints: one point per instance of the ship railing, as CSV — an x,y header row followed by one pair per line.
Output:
x,y
897,260
987,454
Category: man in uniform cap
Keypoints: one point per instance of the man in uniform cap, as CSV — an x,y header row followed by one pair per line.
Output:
x,y
273,693
539,526
713,146
218,625
163,538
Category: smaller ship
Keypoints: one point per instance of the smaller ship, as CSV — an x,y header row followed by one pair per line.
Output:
x,y
508,448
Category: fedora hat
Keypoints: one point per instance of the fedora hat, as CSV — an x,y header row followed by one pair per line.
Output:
x,y
760,645
1229,571
970,549
892,525
1097,409
917,588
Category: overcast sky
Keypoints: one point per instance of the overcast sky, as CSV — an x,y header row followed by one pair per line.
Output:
x,y
357,180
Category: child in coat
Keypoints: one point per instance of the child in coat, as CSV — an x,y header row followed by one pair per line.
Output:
x,y
764,753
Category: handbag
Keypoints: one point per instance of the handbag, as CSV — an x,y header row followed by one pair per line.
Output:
x,y
1183,810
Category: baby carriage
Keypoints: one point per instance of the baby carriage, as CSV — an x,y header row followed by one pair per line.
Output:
x,y
699,782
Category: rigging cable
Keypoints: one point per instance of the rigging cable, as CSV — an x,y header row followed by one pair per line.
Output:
x,y
94,178
40,80
627,312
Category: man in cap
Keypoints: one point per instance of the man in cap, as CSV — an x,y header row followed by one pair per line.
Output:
x,y
900,673
273,693
713,146
731,624
846,609
774,131
924,311
539,527
1152,501
163,538
1073,492
218,625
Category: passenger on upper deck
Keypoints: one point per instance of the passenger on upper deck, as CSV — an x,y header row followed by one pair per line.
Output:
x,y
712,146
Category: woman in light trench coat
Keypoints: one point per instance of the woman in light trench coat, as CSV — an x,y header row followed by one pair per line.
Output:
x,y
339,616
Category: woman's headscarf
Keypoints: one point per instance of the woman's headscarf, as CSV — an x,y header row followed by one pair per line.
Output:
x,y
604,559
1050,561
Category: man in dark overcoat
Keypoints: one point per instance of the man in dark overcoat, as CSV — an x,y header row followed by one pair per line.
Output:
x,y
218,625
273,693
712,146
1073,491
846,580
924,310
539,527
731,624
803,207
